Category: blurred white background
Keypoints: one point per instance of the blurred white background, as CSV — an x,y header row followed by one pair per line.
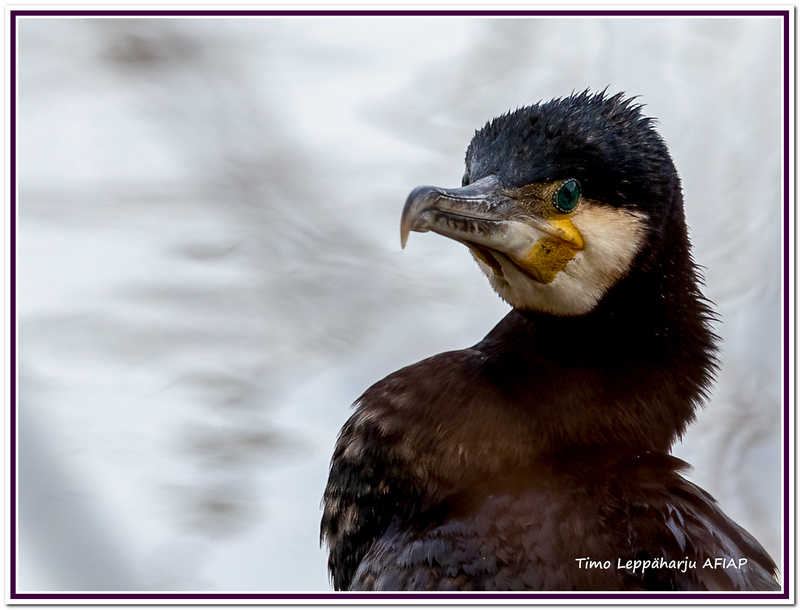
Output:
x,y
210,273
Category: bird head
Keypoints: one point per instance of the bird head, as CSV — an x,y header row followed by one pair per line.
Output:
x,y
559,201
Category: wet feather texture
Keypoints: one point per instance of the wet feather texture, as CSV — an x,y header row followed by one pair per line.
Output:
x,y
547,443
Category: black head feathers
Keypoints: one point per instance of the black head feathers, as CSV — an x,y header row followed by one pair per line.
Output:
x,y
605,142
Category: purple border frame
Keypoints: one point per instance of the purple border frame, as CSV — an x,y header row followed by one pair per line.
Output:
x,y
13,595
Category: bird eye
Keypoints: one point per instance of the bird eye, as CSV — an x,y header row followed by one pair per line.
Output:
x,y
567,196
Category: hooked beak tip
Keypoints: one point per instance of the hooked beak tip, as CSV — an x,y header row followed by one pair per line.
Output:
x,y
415,203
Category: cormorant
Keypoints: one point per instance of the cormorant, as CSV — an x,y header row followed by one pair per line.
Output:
x,y
539,458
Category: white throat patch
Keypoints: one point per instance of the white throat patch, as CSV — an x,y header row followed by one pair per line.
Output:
x,y
613,237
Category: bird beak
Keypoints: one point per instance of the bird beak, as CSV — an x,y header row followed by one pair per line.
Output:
x,y
500,227
454,213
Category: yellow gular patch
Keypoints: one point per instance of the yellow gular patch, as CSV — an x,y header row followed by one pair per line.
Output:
x,y
546,259
597,249
550,254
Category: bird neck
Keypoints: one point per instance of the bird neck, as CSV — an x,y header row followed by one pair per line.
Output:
x,y
627,377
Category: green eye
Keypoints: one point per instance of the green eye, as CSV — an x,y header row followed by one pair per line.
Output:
x,y
567,196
